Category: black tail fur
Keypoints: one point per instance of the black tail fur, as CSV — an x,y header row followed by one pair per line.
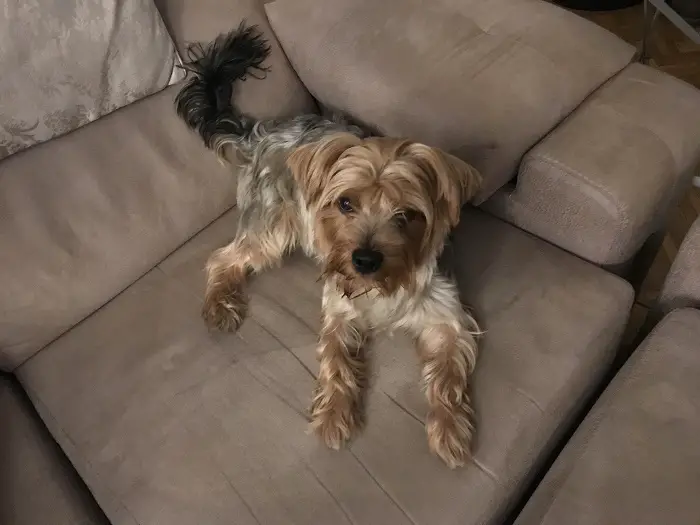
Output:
x,y
205,101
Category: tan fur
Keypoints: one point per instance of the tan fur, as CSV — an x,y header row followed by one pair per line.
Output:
x,y
336,409
401,199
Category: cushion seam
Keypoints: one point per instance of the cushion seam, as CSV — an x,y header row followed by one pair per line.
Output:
x,y
622,216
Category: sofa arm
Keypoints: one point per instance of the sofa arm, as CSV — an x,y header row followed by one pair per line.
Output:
x,y
39,485
682,286
601,182
281,93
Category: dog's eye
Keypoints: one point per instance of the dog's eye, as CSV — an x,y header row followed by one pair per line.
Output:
x,y
403,217
345,205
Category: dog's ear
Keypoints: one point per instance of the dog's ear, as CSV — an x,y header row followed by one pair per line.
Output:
x,y
453,181
311,164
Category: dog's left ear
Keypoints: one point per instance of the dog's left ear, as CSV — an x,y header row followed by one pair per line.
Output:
x,y
311,164
454,181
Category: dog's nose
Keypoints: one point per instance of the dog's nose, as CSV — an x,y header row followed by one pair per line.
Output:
x,y
366,260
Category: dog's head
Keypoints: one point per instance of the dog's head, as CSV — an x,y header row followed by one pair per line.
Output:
x,y
382,207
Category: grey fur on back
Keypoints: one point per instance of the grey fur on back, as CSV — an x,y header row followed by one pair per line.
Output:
x,y
261,147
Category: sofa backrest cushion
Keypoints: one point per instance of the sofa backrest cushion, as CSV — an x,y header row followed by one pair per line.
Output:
x,y
84,215
483,79
280,93
68,62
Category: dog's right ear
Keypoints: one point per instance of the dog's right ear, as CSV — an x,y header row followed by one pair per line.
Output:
x,y
312,164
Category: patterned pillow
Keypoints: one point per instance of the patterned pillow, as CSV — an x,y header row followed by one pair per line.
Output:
x,y
64,63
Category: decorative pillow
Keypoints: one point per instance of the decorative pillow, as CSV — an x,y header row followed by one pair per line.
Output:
x,y
483,79
64,63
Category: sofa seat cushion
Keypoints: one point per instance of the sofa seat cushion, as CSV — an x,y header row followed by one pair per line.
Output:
x,y
65,64
635,458
483,79
85,215
168,423
38,486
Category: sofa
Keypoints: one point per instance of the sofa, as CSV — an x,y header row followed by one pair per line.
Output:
x,y
119,406
635,458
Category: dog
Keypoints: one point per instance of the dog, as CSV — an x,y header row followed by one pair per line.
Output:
x,y
375,213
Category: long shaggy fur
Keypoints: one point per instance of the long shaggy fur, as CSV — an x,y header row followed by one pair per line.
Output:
x,y
205,102
375,213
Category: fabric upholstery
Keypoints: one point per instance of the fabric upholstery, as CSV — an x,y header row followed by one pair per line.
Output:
x,y
281,93
37,484
65,64
169,423
483,79
682,285
635,459
603,181
85,215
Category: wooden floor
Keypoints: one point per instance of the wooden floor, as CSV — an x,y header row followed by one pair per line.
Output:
x,y
672,52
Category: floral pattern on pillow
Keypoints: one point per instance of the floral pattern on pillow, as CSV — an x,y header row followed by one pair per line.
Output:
x,y
66,63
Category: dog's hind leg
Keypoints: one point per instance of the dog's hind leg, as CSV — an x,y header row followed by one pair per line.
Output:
x,y
259,244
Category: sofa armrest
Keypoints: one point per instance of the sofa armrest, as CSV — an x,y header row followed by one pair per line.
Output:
x,y
38,483
281,93
602,181
682,286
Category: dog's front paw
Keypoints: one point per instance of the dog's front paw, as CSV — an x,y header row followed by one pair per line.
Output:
x,y
334,418
449,434
225,308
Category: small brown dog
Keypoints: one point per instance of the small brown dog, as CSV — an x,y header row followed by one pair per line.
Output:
x,y
375,212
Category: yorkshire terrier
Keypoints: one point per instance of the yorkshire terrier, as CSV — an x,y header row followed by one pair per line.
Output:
x,y
374,212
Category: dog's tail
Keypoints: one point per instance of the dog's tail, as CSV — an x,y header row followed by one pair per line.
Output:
x,y
205,101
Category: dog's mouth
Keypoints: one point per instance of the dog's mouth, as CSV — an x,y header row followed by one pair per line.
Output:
x,y
353,288
365,272
353,285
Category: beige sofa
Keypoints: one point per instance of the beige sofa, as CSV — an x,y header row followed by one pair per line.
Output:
x,y
104,232
635,458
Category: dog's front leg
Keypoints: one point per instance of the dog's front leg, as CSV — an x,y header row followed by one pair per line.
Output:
x,y
225,300
337,406
447,347
258,245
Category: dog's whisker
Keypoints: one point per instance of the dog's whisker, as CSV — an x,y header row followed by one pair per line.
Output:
x,y
364,293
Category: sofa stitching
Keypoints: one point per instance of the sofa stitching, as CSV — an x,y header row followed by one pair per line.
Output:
x,y
572,171
530,399
604,192
525,209
487,471
381,487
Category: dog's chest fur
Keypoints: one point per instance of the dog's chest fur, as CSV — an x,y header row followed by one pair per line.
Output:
x,y
376,312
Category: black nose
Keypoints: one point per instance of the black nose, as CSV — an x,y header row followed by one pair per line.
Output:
x,y
366,260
